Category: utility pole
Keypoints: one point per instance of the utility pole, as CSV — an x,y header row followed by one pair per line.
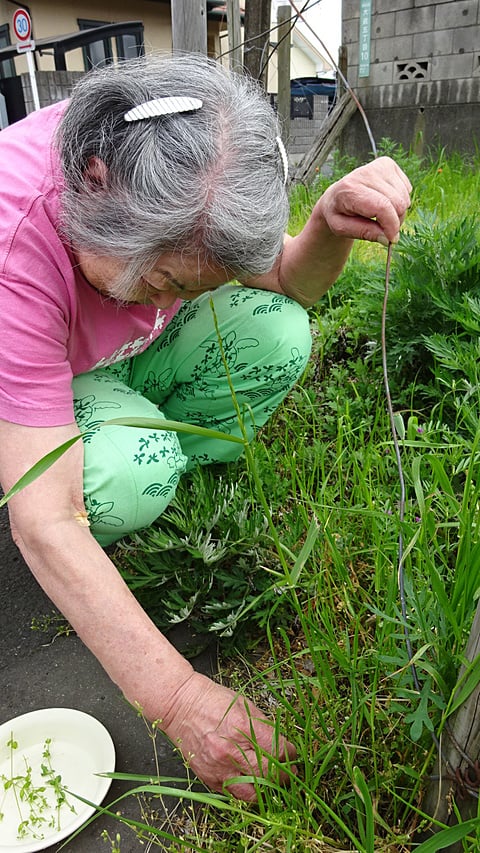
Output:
x,y
459,756
257,39
283,64
234,35
189,26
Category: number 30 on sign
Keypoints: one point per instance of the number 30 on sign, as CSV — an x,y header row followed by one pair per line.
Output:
x,y
22,25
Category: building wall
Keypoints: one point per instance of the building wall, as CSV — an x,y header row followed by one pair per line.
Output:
x,y
423,83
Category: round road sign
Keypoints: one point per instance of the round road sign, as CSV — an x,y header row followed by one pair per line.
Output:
x,y
22,25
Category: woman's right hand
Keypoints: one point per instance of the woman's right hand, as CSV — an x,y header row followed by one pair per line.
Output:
x,y
222,735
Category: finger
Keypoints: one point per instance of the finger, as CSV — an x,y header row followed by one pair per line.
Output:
x,y
242,789
363,228
393,190
399,173
282,750
388,180
391,171
274,763
386,210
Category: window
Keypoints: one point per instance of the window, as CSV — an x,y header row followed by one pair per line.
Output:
x,y
301,106
7,67
129,46
98,53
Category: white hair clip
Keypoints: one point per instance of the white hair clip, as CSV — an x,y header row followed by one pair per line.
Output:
x,y
162,107
283,155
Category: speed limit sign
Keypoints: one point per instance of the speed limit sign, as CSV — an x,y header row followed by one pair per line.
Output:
x,y
22,25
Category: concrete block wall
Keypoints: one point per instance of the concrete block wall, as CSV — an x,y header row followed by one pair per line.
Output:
x,y
304,131
53,86
423,87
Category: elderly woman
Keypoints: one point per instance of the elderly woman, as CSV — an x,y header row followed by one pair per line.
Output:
x,y
123,213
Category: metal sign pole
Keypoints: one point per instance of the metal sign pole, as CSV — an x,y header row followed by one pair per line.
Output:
x,y
33,79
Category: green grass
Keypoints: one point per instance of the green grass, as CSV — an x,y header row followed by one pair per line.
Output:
x,y
321,644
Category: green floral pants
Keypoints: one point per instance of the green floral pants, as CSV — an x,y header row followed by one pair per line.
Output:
x,y
130,475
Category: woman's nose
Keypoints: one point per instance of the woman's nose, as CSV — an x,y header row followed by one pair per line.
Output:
x,y
163,298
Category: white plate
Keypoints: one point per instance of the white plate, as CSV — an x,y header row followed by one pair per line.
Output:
x,y
80,747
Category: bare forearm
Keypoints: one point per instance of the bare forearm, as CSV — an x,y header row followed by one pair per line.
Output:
x,y
319,254
309,264
85,585
211,725
369,204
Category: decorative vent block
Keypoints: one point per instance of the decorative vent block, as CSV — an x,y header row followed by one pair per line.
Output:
x,y
411,70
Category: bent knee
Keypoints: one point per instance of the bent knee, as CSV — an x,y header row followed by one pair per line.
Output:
x,y
279,323
130,477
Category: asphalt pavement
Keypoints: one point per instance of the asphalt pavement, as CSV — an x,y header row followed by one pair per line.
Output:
x,y
39,669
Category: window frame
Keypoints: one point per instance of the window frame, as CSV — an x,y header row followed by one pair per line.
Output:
x,y
87,50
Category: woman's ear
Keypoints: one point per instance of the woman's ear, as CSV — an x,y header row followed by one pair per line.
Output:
x,y
96,173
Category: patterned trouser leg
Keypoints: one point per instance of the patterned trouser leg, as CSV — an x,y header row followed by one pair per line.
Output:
x,y
131,474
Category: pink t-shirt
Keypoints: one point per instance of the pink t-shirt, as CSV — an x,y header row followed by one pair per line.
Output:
x,y
53,324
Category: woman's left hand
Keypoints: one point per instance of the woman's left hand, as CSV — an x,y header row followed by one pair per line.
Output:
x,y
370,203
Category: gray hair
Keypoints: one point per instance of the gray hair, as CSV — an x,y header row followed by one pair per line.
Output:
x,y
210,181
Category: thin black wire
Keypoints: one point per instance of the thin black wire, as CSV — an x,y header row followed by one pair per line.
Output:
x,y
344,80
402,500
401,478
294,19
299,16
266,32
393,429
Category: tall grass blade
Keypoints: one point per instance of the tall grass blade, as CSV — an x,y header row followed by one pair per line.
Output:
x,y
470,680
176,426
361,789
49,459
39,468
305,551
449,836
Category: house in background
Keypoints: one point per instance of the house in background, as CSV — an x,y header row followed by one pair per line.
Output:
x,y
312,87
50,18
66,44
313,84
306,60
306,56
70,38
